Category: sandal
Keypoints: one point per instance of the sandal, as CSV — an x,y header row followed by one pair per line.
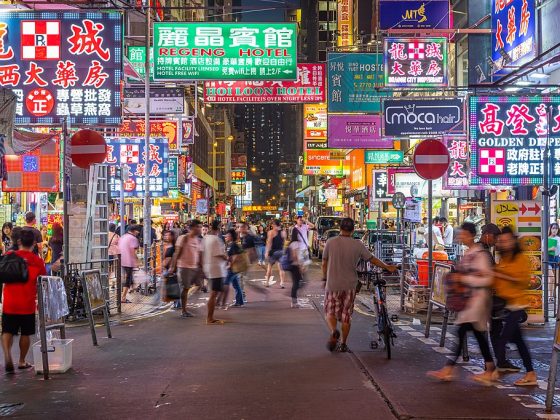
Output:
x,y
26,366
331,344
526,382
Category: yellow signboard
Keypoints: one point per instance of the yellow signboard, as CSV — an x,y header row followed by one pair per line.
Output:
x,y
260,208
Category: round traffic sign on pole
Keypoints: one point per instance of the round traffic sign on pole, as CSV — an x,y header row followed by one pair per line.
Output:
x,y
399,200
87,147
431,159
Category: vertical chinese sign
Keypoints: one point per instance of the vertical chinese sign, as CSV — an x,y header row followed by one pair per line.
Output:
x,y
63,64
137,57
345,23
508,136
525,218
131,152
420,62
513,32
225,51
457,176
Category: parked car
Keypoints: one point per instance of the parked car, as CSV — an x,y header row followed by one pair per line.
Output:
x,y
322,224
331,233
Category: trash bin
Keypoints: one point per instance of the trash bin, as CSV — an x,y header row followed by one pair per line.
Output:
x,y
423,273
60,355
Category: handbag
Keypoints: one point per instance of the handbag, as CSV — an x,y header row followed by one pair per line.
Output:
x,y
240,263
172,289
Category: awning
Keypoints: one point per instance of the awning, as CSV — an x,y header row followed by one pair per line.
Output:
x,y
203,176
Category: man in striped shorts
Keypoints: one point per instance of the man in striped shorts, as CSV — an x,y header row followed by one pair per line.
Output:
x,y
340,258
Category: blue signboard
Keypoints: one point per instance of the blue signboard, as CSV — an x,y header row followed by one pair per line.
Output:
x,y
412,14
513,32
63,64
131,151
353,80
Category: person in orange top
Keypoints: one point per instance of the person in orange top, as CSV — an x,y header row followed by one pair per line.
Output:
x,y
511,279
19,304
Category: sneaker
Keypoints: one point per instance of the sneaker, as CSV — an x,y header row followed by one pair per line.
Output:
x,y
508,367
236,305
296,305
342,348
187,315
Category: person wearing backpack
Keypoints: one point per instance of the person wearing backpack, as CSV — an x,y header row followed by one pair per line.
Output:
x,y
295,265
18,306
474,272
511,278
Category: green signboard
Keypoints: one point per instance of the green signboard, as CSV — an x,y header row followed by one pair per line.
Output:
x,y
137,57
173,173
225,51
380,157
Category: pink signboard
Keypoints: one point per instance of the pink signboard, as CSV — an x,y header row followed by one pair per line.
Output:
x,y
308,88
356,131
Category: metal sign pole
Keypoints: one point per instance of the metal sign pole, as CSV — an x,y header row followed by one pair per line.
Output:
x,y
546,214
42,328
67,162
430,233
147,203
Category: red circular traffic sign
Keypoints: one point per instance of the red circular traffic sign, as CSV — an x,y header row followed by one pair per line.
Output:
x,y
431,159
88,147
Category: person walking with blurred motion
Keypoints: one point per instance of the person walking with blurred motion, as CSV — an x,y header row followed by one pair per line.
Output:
x,y
169,240
128,245
297,266
214,264
234,251
474,272
55,243
274,249
511,278
340,258
113,247
260,244
30,223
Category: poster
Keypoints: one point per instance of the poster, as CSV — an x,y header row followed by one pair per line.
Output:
x,y
525,218
92,282
415,62
508,135
225,51
162,101
309,87
438,294
315,121
130,151
63,64
353,131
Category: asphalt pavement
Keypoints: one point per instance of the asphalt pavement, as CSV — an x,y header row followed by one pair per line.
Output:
x,y
267,361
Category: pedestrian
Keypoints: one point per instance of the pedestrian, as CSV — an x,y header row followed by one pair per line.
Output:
x,y
30,222
18,306
128,245
186,260
214,263
260,244
297,266
303,226
55,243
234,253
447,233
113,247
248,242
204,229
511,277
473,271
7,236
553,245
274,249
340,258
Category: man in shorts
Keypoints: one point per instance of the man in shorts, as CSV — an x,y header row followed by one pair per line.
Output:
x,y
340,258
128,245
187,261
214,264
19,306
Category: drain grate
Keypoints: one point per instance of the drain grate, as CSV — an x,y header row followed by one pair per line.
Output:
x,y
7,409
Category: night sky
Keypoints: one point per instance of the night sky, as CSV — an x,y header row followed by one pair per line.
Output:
x,y
276,15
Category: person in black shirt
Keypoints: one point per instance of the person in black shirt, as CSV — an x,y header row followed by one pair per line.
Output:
x,y
55,243
30,222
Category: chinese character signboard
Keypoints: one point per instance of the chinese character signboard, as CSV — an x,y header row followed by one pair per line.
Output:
x,y
513,31
457,176
352,82
238,175
173,174
383,157
419,62
426,117
413,14
380,186
308,88
507,138
315,121
137,57
130,151
62,64
36,171
320,162
225,51
168,129
345,23
356,131
162,101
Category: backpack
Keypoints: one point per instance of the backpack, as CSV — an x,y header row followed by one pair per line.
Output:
x,y
13,269
286,262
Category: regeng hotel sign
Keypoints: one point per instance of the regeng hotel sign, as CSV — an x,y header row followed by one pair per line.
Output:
x,y
225,51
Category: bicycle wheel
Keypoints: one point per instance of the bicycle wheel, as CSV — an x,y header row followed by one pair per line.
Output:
x,y
387,338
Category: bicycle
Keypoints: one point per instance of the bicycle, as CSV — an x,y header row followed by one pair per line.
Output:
x,y
384,322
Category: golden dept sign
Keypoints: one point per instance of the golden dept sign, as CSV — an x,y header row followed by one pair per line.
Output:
x,y
259,208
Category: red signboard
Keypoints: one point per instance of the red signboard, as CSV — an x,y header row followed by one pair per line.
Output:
x,y
308,88
431,159
166,129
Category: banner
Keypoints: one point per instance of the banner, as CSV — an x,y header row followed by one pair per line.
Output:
x,y
457,176
319,162
508,135
315,121
415,62
63,64
131,151
345,21
525,218
406,181
356,132
309,87
162,101
513,33
352,82
425,117
412,14
225,51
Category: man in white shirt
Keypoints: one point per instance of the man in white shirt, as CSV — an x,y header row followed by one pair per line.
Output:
x,y
214,264
447,233
303,226
437,237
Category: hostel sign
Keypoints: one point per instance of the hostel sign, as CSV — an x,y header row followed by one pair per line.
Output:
x,y
62,65
508,135
225,51
419,62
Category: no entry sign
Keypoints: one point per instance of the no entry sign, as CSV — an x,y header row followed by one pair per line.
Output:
x,y
431,159
88,147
